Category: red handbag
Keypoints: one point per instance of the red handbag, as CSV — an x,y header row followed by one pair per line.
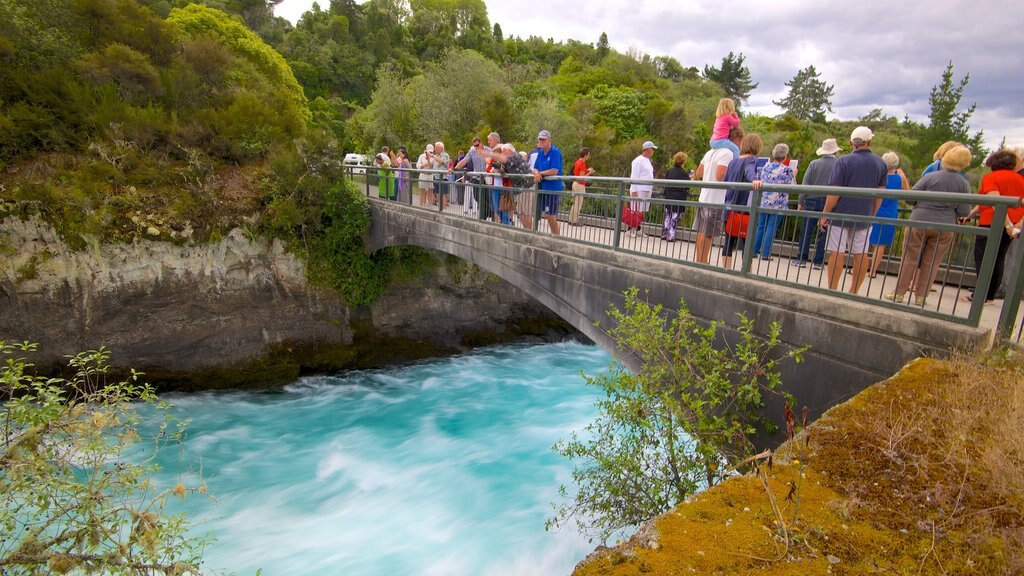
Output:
x,y
631,218
737,223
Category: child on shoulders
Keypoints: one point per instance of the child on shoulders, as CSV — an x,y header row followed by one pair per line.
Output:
x,y
725,120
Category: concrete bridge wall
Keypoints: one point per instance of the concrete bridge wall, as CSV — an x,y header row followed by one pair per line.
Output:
x,y
852,344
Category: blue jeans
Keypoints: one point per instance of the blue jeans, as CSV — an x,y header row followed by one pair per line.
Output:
x,y
811,205
726,143
503,215
767,226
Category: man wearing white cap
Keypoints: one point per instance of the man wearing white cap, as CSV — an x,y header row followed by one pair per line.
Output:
x,y
861,168
641,169
819,173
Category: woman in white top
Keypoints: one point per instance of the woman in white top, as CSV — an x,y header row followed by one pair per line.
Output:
x,y
426,162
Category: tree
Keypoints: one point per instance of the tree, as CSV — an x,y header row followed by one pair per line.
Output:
x,y
676,424
809,97
602,47
71,500
669,68
733,77
945,122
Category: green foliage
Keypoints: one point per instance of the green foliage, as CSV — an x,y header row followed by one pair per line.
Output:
x,y
809,97
677,424
196,20
438,26
71,498
946,122
337,259
733,77
622,110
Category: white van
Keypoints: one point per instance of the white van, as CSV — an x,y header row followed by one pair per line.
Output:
x,y
353,159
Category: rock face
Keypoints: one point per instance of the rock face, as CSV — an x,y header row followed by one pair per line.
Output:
x,y
238,312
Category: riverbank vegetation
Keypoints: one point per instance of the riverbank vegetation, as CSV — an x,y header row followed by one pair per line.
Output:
x,y
678,422
921,474
75,497
167,120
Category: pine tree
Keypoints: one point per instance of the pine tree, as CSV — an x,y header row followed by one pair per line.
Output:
x,y
809,97
733,77
602,46
945,122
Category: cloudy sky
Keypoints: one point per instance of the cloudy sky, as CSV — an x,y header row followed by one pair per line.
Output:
x,y
878,54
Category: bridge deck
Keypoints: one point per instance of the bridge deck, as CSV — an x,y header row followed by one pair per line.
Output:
x,y
597,227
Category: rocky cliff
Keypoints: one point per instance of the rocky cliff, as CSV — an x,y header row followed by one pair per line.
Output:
x,y
238,312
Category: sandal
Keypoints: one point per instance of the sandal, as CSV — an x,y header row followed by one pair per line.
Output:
x,y
895,297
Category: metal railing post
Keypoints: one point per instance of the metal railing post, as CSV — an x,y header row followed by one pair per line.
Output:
x,y
617,235
481,189
1011,302
536,208
748,244
988,264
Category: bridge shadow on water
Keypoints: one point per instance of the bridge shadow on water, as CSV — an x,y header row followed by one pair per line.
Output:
x,y
854,342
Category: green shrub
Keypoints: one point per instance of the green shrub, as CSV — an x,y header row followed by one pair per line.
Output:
x,y
136,77
688,412
196,20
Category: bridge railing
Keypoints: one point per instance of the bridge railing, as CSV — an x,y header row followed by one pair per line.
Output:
x,y
793,256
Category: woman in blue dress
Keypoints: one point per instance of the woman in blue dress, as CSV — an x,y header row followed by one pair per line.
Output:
x,y
882,234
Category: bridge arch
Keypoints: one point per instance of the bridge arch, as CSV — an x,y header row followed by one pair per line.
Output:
x,y
852,344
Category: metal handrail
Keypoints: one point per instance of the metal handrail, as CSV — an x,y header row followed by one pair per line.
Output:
x,y
905,195
614,189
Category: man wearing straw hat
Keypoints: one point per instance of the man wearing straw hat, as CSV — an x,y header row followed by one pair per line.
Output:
x,y
818,174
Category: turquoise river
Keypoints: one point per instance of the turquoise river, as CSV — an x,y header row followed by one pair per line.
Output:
x,y
437,468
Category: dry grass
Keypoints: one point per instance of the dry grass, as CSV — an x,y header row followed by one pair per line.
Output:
x,y
921,474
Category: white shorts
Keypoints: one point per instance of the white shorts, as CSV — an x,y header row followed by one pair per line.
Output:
x,y
852,238
637,205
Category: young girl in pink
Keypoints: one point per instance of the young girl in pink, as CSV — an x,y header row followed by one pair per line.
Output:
x,y
725,120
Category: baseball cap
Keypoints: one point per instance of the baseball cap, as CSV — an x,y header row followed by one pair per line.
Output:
x,y
544,135
648,145
862,133
430,147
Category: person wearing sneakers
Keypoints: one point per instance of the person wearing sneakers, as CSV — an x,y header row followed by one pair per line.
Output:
x,y
819,172
861,168
925,248
641,169
710,220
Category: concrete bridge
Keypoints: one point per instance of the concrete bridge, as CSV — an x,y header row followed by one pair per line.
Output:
x,y
853,343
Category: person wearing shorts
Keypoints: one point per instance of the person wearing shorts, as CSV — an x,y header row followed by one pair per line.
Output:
x,y
548,163
848,237
709,222
861,168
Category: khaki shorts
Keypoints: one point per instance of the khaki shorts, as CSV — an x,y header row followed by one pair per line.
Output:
x,y
525,202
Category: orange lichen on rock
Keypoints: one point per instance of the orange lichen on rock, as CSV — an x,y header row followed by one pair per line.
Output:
x,y
920,474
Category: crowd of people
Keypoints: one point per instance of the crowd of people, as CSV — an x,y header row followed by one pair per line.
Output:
x,y
495,181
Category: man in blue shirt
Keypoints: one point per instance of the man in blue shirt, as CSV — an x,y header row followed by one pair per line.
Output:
x,y
549,163
861,168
